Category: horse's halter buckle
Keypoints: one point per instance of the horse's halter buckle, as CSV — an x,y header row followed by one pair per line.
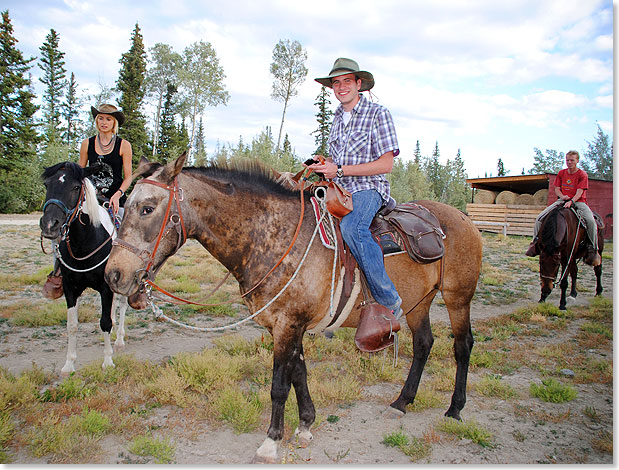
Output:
x,y
175,220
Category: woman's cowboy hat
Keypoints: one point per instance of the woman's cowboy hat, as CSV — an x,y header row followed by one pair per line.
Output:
x,y
343,66
109,109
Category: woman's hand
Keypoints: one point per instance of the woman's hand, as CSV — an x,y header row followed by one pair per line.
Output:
x,y
115,202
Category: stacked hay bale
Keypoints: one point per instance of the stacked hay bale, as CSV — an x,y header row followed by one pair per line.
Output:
x,y
483,196
506,197
540,198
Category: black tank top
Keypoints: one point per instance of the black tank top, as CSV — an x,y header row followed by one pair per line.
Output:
x,y
109,178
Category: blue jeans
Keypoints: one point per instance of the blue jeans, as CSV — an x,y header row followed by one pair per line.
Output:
x,y
355,228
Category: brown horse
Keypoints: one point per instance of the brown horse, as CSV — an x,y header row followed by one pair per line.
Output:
x,y
562,243
246,220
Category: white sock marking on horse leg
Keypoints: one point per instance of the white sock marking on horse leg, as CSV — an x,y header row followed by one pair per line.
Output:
x,y
304,436
120,302
107,351
267,451
72,330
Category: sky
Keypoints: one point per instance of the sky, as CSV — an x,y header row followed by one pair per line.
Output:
x,y
487,78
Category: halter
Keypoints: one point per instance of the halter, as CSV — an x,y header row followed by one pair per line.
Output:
x,y
69,214
175,220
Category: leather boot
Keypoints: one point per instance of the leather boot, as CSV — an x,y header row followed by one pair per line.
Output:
x,y
592,257
52,289
532,250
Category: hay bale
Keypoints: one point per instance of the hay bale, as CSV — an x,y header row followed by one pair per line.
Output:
x,y
506,197
540,198
483,196
524,200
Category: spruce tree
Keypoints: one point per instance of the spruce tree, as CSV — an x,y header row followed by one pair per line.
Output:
x,y
20,190
597,160
324,118
70,112
130,84
54,78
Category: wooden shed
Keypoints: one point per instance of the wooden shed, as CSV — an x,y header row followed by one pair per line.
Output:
x,y
514,218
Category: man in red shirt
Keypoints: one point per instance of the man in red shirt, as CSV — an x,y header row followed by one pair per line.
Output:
x,y
571,186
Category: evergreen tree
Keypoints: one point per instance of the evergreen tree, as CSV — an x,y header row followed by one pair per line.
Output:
x,y
409,182
164,70
457,189
200,150
168,132
70,111
500,168
417,154
597,161
130,84
21,190
324,118
54,79
435,174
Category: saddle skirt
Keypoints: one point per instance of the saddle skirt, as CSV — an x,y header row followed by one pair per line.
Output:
x,y
412,228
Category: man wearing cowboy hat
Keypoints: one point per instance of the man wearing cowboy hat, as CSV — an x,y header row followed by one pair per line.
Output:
x,y
362,146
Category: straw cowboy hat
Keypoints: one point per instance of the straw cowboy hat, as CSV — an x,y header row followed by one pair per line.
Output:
x,y
343,66
109,109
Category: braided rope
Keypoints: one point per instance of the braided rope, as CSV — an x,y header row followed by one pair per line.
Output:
x,y
160,315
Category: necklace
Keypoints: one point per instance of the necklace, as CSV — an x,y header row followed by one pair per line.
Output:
x,y
107,148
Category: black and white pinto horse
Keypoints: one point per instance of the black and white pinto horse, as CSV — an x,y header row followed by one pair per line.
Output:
x,y
84,232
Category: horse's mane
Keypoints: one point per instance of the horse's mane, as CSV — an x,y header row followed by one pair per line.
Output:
x,y
549,230
245,174
90,195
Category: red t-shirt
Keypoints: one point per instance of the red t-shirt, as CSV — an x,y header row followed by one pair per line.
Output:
x,y
569,183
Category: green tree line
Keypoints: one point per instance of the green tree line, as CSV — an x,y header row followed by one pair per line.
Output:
x,y
178,86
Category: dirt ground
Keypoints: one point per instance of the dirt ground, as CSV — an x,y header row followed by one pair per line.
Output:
x,y
356,437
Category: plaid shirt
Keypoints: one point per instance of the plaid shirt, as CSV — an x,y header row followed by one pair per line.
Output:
x,y
370,133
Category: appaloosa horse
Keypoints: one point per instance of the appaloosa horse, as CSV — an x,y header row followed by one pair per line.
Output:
x,y
72,215
246,220
561,242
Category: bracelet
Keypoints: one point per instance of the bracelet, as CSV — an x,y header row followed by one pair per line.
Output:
x,y
122,193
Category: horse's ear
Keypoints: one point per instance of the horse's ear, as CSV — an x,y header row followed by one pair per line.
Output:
x,y
144,168
179,163
91,170
172,169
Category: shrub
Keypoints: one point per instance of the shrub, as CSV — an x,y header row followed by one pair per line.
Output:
x,y
553,391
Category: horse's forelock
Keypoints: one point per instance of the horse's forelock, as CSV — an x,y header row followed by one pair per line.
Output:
x,y
72,168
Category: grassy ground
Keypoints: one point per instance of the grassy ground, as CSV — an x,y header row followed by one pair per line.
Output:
x,y
533,358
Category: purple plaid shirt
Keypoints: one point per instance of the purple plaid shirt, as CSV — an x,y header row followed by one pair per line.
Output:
x,y
369,134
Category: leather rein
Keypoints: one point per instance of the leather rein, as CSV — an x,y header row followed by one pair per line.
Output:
x,y
176,220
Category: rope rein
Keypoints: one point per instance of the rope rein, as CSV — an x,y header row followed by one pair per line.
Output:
x,y
160,315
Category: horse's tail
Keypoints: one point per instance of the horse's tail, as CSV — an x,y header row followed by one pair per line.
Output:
x,y
92,205
549,231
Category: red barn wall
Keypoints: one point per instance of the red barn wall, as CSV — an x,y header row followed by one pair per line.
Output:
x,y
599,199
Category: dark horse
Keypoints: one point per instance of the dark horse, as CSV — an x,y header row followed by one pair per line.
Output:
x,y
562,243
73,217
246,220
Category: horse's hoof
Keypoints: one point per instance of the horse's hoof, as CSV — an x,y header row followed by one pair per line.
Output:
x,y
455,414
392,413
303,438
119,345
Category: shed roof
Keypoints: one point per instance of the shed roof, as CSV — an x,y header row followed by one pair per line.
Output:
x,y
517,184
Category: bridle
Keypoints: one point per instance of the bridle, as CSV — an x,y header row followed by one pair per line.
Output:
x,y
69,214
172,220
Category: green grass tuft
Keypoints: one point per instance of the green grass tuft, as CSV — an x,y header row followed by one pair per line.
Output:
x,y
161,450
553,391
469,430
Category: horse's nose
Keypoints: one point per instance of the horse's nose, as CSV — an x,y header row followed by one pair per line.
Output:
x,y
49,227
112,276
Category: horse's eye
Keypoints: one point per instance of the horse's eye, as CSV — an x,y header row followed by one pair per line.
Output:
x,y
77,187
146,210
